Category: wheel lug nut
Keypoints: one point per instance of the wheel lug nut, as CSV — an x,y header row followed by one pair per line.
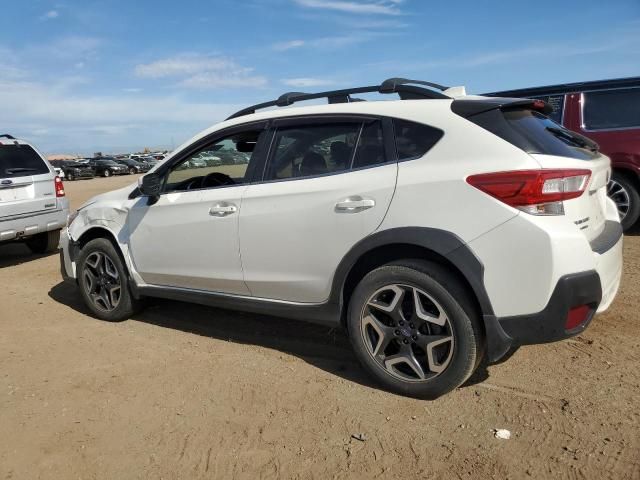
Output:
x,y
412,325
415,337
401,323
397,332
405,341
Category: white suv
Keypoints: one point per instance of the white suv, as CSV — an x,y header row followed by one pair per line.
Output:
x,y
33,207
438,229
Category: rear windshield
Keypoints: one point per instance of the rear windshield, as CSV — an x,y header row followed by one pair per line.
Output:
x,y
534,132
612,109
20,161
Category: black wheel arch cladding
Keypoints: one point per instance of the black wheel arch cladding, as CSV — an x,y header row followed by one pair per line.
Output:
x,y
441,242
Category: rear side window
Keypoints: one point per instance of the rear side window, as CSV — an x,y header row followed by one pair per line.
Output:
x,y
413,139
20,161
533,132
611,109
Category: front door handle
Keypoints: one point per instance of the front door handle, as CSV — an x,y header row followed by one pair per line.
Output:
x,y
222,209
354,204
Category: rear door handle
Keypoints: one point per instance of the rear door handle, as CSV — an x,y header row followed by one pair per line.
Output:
x,y
354,204
222,209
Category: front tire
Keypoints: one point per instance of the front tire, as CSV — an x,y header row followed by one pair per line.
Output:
x,y
132,171
414,329
106,173
46,242
103,282
70,177
626,197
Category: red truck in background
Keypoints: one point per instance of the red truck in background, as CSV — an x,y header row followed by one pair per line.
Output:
x,y
608,112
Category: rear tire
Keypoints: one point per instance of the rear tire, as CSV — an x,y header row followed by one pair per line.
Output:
x,y
626,197
414,328
103,282
70,177
132,171
46,242
106,173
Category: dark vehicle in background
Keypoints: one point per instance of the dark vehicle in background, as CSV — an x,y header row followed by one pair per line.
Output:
x,y
134,166
607,112
106,167
74,170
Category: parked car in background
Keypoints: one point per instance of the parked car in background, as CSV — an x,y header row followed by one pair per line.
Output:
x,y
106,167
134,166
426,226
33,206
608,112
73,170
59,171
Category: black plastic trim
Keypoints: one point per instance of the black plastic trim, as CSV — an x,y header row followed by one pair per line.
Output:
x,y
324,314
608,238
439,241
329,312
546,326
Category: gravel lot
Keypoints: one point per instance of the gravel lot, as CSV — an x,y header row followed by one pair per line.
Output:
x,y
185,391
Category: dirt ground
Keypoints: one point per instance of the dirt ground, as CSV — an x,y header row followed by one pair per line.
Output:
x,y
185,391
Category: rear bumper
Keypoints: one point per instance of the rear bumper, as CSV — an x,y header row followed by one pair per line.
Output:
x,y
32,224
594,288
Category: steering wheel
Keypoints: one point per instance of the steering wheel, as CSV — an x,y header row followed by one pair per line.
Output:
x,y
216,179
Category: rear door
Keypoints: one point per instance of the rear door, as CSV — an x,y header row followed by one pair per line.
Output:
x,y
327,184
26,181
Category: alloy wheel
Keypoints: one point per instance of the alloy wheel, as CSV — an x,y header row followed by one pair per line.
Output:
x,y
620,197
102,283
407,333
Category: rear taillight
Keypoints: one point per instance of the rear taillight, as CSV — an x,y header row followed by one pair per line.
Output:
x,y
537,192
59,187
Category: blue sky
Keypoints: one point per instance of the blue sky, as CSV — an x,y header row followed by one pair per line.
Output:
x,y
83,76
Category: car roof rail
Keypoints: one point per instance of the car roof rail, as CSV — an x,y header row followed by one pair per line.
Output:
x,y
405,88
6,135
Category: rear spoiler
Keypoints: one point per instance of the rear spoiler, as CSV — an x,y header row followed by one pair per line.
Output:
x,y
467,107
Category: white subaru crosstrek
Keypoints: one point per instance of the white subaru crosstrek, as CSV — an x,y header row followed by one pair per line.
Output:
x,y
438,229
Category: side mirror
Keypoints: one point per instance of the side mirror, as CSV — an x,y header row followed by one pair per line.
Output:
x,y
150,185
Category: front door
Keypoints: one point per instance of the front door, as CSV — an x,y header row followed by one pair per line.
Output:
x,y
189,237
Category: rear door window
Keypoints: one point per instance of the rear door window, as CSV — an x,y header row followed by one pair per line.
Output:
x,y
20,161
611,109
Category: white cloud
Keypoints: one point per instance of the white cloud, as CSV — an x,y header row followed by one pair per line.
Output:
x,y
50,15
307,82
199,71
389,7
57,118
327,42
283,46
206,80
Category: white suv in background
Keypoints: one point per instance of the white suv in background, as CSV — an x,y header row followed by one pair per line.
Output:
x,y
33,207
437,229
